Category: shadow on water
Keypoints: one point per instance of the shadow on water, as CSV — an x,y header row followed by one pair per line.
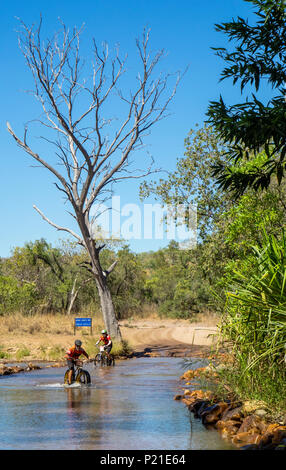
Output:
x,y
129,406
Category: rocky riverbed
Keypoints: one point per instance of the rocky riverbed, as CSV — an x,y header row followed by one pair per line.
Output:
x,y
246,425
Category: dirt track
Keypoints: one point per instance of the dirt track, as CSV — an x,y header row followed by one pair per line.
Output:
x,y
170,337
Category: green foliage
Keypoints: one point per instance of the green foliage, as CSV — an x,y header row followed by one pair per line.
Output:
x,y
176,283
192,182
248,127
15,296
258,384
39,277
255,320
253,212
3,354
21,353
126,282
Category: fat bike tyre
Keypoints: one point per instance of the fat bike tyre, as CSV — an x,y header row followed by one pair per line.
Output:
x,y
97,360
83,377
110,362
66,377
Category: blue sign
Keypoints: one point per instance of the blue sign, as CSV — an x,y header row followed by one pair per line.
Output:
x,y
78,322
83,321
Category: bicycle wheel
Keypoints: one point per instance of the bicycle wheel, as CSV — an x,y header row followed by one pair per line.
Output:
x,y
110,362
66,377
97,359
104,360
83,377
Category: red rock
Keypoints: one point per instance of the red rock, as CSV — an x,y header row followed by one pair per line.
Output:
x,y
227,429
251,422
213,415
273,432
232,413
178,397
279,434
244,438
228,432
223,424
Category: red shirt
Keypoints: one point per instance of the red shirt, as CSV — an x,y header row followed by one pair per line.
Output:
x,y
74,353
105,339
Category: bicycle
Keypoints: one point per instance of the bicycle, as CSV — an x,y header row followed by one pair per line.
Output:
x,y
79,375
102,358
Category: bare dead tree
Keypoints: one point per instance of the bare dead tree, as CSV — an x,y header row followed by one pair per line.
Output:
x,y
90,158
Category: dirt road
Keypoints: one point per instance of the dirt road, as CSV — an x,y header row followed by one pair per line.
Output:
x,y
170,337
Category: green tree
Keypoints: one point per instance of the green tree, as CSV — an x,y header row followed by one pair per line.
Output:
x,y
247,128
54,273
17,297
175,282
192,182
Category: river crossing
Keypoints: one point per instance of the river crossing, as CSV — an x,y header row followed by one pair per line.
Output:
x,y
129,406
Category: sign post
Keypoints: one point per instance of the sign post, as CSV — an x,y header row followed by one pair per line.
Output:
x,y
78,322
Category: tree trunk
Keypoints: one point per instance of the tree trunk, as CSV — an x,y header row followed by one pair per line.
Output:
x,y
108,312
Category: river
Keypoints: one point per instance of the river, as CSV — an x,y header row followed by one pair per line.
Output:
x,y
129,406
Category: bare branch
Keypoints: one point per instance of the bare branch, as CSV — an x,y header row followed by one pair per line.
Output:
x,y
24,145
110,269
80,241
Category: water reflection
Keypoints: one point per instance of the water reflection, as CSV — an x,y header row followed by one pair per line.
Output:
x,y
129,406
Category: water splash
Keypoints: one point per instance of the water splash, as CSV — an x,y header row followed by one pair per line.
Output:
x,y
59,385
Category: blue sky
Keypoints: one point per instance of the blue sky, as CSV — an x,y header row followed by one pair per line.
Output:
x,y
185,29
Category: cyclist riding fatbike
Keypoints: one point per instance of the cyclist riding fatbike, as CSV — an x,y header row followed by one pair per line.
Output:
x,y
72,356
106,340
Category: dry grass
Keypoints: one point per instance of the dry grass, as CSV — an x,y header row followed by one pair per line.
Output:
x,y
47,336
56,324
207,319
44,336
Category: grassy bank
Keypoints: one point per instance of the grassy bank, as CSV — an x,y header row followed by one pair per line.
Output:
x,y
255,385
229,382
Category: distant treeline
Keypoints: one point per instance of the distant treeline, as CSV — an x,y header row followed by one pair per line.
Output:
x,y
39,277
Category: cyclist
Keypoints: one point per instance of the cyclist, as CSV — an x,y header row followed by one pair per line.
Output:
x,y
72,356
106,340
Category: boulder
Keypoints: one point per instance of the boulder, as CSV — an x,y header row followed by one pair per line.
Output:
x,y
227,429
213,413
198,406
247,437
32,367
189,401
279,434
250,447
253,423
273,434
190,374
232,413
178,397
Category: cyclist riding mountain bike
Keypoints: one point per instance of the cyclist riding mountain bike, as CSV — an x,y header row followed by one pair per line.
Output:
x,y
72,356
106,340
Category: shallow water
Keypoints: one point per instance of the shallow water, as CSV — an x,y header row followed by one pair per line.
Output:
x,y
129,406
